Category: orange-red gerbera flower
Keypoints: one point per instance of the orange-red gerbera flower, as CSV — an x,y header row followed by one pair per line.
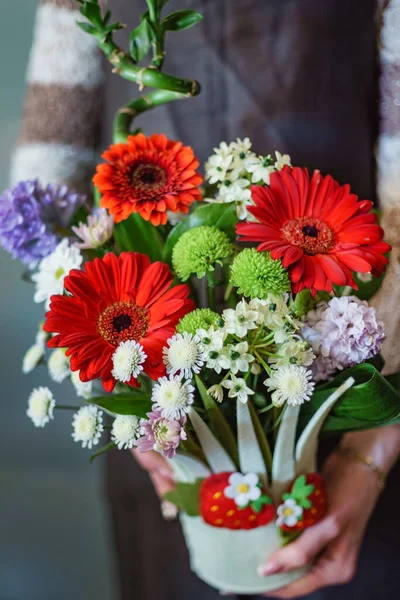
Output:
x,y
113,300
148,175
319,229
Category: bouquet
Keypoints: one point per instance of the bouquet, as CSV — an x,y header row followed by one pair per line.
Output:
x,y
224,323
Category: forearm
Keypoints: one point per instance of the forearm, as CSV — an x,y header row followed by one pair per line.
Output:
x,y
381,444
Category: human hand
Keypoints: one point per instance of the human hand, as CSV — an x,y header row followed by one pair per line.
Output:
x,y
333,543
158,469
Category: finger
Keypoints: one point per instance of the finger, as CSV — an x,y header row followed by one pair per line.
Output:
x,y
162,485
153,462
303,586
302,551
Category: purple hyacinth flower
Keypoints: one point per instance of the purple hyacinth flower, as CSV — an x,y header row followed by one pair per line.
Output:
x,y
30,216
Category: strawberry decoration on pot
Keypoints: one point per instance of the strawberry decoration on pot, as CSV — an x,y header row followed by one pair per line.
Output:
x,y
304,505
235,501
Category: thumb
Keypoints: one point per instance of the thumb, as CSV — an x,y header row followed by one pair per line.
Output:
x,y
303,551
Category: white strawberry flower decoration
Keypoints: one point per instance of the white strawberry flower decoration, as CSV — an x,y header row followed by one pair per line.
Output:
x,y
243,489
289,513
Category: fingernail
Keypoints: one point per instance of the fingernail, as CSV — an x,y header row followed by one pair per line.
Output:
x,y
269,569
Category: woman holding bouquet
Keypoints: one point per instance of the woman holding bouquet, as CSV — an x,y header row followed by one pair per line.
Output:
x,y
300,77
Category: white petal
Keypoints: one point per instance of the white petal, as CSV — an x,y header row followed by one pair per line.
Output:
x,y
291,503
236,479
254,493
230,492
251,479
242,499
291,521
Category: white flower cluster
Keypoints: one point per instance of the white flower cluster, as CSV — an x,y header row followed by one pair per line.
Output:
x,y
234,167
255,337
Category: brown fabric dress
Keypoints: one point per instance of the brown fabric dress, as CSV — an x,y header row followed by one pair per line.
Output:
x,y
298,76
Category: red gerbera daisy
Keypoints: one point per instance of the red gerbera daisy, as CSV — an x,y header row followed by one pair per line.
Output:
x,y
112,300
319,229
148,175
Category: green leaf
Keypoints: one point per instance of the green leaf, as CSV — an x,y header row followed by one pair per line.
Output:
x,y
102,450
371,402
181,19
289,536
141,39
258,504
261,437
222,216
92,12
137,235
134,403
87,27
186,496
365,290
218,422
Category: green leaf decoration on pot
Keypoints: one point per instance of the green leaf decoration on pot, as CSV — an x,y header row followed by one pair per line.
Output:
x,y
186,496
257,505
301,492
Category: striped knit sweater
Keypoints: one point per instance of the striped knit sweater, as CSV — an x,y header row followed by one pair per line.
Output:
x,y
60,126
59,132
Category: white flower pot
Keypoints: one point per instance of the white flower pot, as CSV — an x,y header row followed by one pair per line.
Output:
x,y
228,559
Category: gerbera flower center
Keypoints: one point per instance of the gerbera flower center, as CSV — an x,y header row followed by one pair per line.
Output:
x,y
123,321
148,177
311,235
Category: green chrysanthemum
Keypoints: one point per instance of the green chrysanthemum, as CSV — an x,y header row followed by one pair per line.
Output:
x,y
201,318
198,250
256,274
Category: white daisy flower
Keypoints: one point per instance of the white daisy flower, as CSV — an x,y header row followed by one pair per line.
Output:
x,y
237,388
239,358
87,426
216,392
126,430
291,384
293,353
32,358
241,146
53,269
83,389
173,396
282,160
272,311
184,354
238,321
243,489
211,338
41,405
260,168
289,513
128,359
217,166
58,365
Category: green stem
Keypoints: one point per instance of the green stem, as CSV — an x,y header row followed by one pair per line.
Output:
x,y
211,289
126,114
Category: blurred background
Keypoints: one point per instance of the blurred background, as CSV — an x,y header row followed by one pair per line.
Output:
x,y
54,541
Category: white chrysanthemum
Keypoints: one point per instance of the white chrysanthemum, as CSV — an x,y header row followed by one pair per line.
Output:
x,y
97,230
53,269
184,354
41,336
282,160
32,358
128,360
58,365
41,405
83,389
87,426
237,389
291,384
126,429
240,320
173,396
